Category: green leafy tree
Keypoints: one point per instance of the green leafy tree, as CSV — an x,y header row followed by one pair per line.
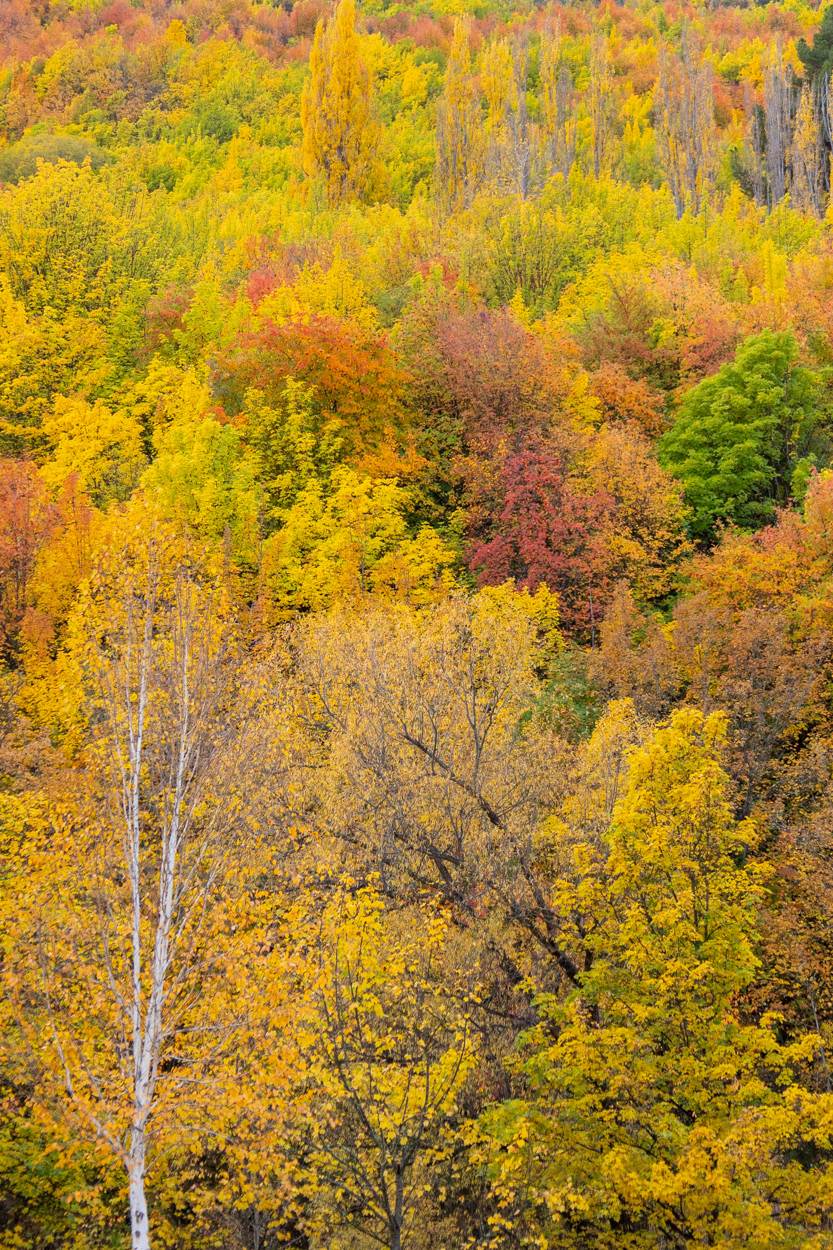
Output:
x,y
743,438
817,58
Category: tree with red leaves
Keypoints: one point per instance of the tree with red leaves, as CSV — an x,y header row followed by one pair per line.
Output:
x,y
544,531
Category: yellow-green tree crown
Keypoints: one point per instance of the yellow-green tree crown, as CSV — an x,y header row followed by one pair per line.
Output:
x,y
336,108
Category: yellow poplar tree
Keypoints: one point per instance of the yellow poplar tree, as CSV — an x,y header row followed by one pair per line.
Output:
x,y
807,157
336,108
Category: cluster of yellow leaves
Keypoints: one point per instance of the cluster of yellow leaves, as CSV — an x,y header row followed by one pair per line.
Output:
x,y
346,538
656,1103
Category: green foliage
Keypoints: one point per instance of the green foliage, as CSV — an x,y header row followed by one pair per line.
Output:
x,y
817,58
20,160
740,436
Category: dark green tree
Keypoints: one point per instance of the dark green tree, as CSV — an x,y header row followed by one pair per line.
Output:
x,y
744,438
817,58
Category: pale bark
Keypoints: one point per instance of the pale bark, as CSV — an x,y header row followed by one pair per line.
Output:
x,y
685,125
778,120
139,1231
159,703
558,103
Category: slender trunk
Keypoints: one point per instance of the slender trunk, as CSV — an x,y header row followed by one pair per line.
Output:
x,y
398,1211
139,1231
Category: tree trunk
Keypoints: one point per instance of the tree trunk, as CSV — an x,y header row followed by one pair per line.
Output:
x,y
398,1211
139,1231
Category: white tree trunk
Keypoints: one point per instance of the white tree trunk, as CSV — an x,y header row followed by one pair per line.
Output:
x,y
139,1231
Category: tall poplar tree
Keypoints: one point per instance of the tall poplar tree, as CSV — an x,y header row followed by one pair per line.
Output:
x,y
336,108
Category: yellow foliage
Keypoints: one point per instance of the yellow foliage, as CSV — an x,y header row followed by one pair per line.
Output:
x,y
334,291
102,449
346,541
336,108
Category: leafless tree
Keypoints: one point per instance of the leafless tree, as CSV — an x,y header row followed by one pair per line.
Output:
x,y
778,123
519,126
600,100
509,150
684,117
559,108
823,93
755,162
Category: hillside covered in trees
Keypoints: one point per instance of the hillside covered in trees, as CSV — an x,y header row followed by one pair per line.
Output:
x,y
416,625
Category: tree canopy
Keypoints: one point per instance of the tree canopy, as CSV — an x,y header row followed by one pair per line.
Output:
x,y
416,625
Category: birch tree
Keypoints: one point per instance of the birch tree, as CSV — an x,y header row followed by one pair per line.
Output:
x,y
124,938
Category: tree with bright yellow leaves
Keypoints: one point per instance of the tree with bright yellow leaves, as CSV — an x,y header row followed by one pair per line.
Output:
x,y
102,447
655,1114
337,109
131,903
558,131
509,148
394,1049
807,190
347,538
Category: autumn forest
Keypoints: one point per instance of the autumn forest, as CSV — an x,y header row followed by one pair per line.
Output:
x,y
416,625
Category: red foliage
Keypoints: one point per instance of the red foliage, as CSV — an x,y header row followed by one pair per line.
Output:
x,y
164,316
543,530
277,265
622,334
118,13
423,31
304,16
498,376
